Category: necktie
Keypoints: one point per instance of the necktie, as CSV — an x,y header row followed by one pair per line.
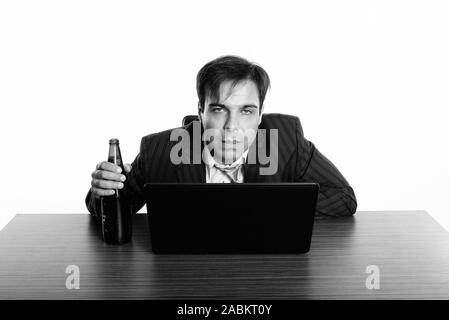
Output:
x,y
230,171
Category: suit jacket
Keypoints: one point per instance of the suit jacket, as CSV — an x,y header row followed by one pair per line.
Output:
x,y
298,161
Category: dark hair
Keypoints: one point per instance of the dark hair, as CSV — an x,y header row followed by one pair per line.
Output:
x,y
232,68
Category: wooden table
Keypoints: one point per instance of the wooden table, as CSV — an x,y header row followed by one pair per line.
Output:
x,y
410,249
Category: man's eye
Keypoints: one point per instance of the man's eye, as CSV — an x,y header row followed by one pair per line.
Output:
x,y
217,109
247,111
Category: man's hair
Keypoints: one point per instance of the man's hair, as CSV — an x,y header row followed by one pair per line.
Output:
x,y
233,68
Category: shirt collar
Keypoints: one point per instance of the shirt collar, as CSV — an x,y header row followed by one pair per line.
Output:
x,y
210,161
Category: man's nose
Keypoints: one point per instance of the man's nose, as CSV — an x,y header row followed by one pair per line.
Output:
x,y
231,122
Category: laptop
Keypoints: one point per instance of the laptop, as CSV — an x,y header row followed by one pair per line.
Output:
x,y
230,218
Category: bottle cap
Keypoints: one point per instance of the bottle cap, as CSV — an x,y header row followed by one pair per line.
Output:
x,y
113,141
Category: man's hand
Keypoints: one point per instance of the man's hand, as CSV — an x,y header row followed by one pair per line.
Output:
x,y
106,178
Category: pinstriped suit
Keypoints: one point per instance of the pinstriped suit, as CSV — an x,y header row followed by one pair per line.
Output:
x,y
298,161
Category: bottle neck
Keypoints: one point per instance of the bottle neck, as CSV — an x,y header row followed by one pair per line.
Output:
x,y
114,154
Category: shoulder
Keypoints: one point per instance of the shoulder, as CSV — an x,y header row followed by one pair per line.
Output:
x,y
164,139
156,142
158,136
278,121
285,124
288,129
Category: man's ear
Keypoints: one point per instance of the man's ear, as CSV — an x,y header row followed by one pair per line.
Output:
x,y
199,113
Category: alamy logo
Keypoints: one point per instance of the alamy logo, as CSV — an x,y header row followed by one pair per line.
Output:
x,y
373,280
180,152
73,280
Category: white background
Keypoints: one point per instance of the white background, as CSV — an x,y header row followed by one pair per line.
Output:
x,y
368,79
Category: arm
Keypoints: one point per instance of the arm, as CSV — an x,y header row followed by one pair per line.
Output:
x,y
336,197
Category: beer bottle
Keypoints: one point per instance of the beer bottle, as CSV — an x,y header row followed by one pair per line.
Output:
x,y
115,209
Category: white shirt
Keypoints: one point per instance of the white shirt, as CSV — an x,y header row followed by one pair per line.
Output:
x,y
214,175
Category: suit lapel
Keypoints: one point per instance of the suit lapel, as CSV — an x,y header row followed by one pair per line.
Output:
x,y
194,173
251,172
252,166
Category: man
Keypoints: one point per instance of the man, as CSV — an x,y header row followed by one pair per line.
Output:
x,y
231,92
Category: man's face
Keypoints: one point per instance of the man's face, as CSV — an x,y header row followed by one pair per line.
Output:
x,y
236,116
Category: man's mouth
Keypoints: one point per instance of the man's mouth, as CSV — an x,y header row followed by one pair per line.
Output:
x,y
231,142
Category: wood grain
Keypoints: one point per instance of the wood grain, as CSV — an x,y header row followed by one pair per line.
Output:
x,y
409,247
